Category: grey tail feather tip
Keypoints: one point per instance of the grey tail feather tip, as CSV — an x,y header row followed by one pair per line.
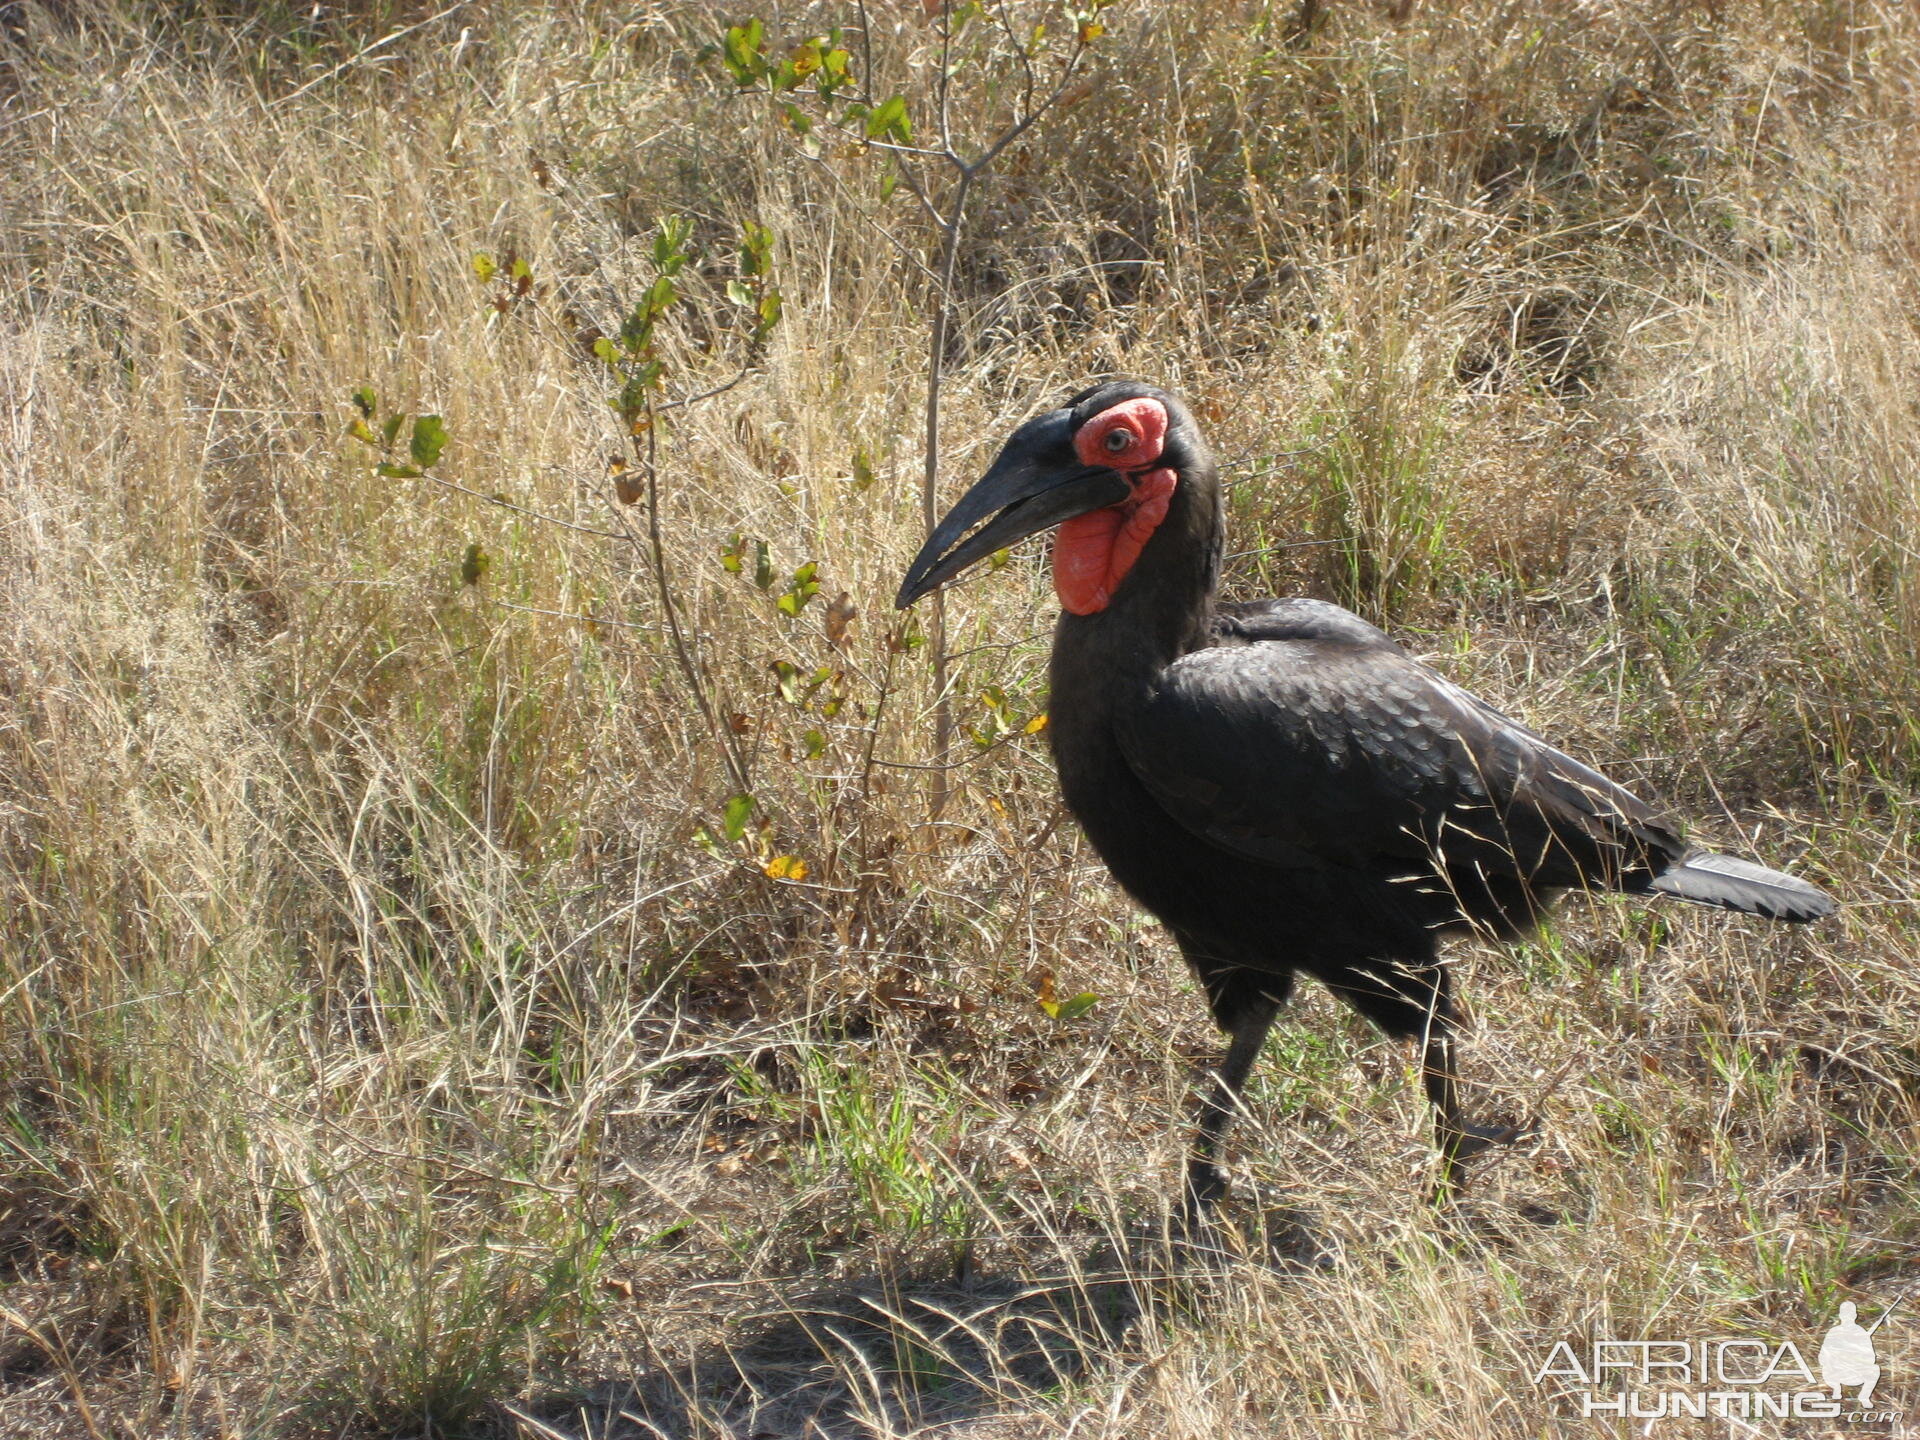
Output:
x,y
1736,884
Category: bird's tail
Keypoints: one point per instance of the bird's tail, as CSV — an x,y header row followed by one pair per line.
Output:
x,y
1735,884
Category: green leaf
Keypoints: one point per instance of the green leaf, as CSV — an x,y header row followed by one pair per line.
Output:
x,y
1074,1008
769,314
631,402
882,116
607,350
813,742
734,823
804,586
429,439
731,554
863,475
359,431
762,565
484,266
756,248
670,244
390,430
741,293
787,676
659,295
365,401
520,269
397,472
636,331
741,52
474,567
889,121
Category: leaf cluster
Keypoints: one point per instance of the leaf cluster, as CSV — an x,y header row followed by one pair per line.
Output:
x,y
424,442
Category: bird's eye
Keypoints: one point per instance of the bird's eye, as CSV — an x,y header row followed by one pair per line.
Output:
x,y
1119,440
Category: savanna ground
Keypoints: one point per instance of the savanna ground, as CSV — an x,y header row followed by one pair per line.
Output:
x,y
438,1000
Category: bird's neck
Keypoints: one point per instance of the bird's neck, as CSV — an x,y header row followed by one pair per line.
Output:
x,y
1107,662
1164,607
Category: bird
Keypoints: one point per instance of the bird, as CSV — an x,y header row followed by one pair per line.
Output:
x,y
1280,783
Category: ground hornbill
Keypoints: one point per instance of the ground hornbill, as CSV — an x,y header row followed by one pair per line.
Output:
x,y
1283,785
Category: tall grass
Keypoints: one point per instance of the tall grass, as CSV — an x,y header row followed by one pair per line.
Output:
x,y
395,1042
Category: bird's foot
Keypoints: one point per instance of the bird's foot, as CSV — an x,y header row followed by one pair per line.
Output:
x,y
1466,1141
1195,1233
1506,1229
1292,1240
1275,1234
1475,1140
1206,1186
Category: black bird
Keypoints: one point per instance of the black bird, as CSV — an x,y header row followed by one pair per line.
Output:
x,y
1280,783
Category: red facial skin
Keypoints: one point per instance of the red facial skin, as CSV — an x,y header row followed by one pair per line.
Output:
x,y
1093,552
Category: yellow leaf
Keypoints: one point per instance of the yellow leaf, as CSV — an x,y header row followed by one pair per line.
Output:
x,y
1037,724
786,867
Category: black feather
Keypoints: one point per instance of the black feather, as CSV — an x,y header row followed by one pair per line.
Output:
x,y
1735,884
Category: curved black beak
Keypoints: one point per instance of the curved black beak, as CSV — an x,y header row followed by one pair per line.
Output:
x,y
1036,483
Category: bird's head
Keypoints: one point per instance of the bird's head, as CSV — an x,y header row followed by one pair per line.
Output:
x,y
1104,468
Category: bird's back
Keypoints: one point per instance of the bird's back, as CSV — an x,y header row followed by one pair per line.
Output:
x,y
1306,738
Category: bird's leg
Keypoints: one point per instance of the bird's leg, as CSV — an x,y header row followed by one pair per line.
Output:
x,y
1457,1138
1220,1089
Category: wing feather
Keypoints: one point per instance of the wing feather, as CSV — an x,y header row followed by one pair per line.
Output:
x,y
1310,738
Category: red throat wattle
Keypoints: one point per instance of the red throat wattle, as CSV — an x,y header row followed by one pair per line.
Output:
x,y
1092,553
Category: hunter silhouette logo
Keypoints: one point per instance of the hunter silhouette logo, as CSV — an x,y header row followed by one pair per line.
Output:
x,y
1846,1355
1736,1379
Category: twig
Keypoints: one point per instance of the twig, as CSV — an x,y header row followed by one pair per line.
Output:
x,y
745,370
506,504
656,550
930,476
953,224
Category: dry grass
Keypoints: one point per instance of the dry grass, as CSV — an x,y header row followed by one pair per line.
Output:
x,y
384,1052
